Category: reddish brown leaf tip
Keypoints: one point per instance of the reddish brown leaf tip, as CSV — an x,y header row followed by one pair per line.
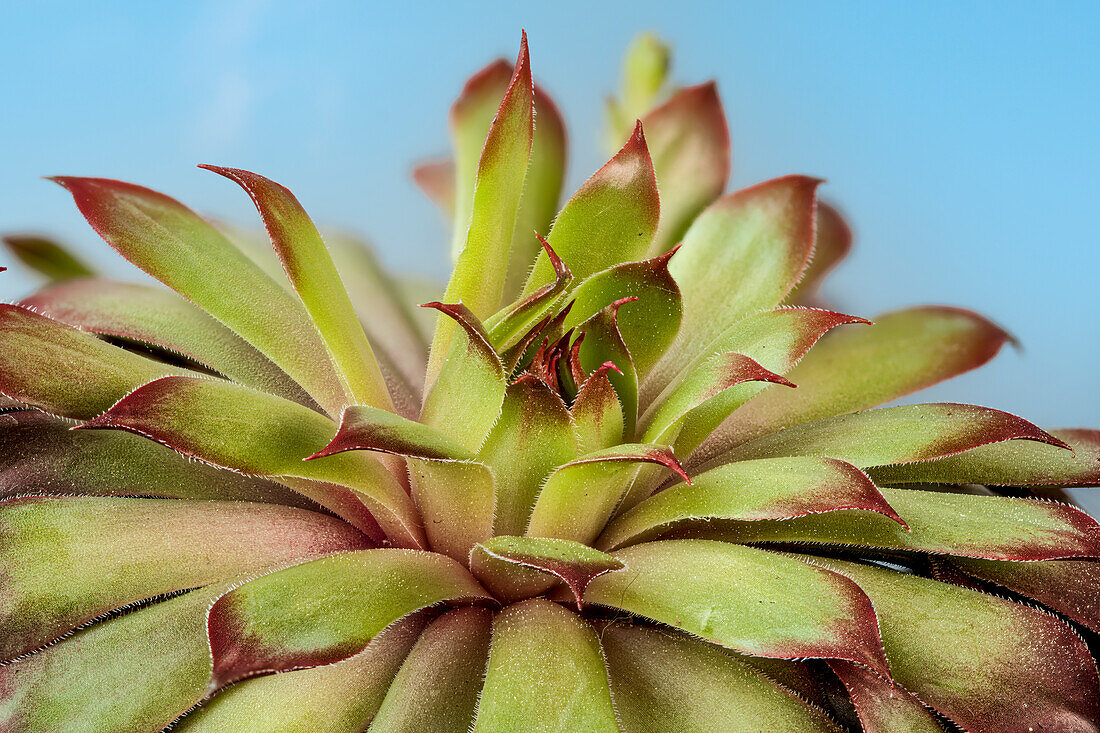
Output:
x,y
561,270
665,457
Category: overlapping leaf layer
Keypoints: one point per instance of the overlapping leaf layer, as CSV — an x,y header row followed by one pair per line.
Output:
x,y
633,483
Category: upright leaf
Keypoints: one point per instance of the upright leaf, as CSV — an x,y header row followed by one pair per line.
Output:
x,y
310,270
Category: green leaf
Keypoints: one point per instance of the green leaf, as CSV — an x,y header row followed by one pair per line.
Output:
x,y
41,455
603,343
690,144
986,663
749,491
438,685
520,567
238,428
47,257
465,399
385,309
65,371
456,501
369,428
310,270
665,683
992,527
137,672
645,69
533,436
857,368
611,219
509,325
884,707
1010,463
832,243
157,316
334,698
578,498
173,244
597,414
482,264
749,600
326,610
648,323
1066,586
546,674
68,560
903,434
742,255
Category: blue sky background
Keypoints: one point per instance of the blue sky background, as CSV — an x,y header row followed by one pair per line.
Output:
x,y
962,139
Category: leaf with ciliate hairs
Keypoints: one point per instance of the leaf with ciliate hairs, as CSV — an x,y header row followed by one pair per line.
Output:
x,y
603,343
611,219
832,243
336,698
597,414
749,600
882,706
690,143
743,254
309,268
482,264
543,659
770,488
989,527
326,610
970,655
61,569
216,422
670,683
176,246
46,257
853,369
520,567
161,318
509,325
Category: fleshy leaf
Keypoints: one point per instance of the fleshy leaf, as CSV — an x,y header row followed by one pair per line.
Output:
x,y
611,219
937,638
465,399
742,255
311,271
456,501
1010,463
334,698
154,315
665,683
831,245
482,265
436,178
47,257
437,687
369,428
884,707
173,244
690,143
571,562
155,663
508,326
40,455
903,434
645,69
603,343
857,368
579,497
597,414
533,436
326,610
1069,587
68,560
545,674
991,527
65,371
770,488
238,428
648,324
749,600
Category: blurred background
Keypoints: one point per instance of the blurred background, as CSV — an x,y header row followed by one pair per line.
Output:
x,y
961,139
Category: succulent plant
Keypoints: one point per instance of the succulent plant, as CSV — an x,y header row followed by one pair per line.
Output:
x,y
614,490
